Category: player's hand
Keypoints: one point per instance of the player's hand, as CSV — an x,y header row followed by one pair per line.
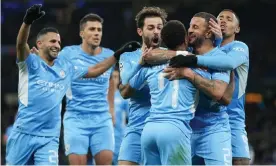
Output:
x,y
183,61
144,54
128,47
215,28
177,73
34,51
33,13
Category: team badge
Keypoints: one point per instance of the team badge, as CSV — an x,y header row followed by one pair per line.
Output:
x,y
62,74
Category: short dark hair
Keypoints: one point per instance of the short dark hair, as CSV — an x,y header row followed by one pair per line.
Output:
x,y
229,10
150,12
206,16
90,17
46,30
173,34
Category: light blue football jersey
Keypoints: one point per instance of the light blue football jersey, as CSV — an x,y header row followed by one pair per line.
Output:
x,y
139,103
210,114
235,109
40,91
172,101
87,95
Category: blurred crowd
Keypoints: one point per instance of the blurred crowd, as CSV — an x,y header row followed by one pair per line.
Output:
x,y
256,30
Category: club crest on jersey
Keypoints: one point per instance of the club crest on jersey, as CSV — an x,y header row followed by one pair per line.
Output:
x,y
62,74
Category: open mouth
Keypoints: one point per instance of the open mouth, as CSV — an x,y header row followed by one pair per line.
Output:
x,y
222,26
155,40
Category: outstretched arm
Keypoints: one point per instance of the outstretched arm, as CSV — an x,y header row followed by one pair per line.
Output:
x,y
158,56
100,68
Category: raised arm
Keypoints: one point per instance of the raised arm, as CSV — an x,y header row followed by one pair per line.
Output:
x,y
22,47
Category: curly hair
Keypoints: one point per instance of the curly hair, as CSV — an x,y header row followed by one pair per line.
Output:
x,y
150,12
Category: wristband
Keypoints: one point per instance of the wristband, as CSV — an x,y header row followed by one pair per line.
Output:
x,y
182,53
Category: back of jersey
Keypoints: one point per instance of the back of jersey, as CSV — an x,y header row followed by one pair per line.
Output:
x,y
139,102
172,101
236,108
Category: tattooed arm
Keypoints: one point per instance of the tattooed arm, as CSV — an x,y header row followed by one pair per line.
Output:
x,y
213,88
158,56
228,94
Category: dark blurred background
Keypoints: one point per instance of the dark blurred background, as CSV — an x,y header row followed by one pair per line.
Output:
x,y
257,31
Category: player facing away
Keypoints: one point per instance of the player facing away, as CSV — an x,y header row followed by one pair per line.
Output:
x,y
43,82
87,120
166,136
121,108
149,21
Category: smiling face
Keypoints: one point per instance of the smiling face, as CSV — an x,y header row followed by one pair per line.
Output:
x,y
49,44
197,31
92,33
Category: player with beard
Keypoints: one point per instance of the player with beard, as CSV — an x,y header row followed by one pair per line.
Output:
x,y
166,135
150,21
211,138
238,60
43,82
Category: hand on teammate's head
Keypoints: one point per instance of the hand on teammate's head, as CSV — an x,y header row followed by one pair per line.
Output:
x,y
215,28
33,13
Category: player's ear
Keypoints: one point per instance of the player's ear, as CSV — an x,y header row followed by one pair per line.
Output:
x,y
237,29
81,34
209,34
139,31
38,44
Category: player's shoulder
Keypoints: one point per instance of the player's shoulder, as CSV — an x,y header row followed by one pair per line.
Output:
x,y
218,51
127,56
107,50
71,48
69,51
237,43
